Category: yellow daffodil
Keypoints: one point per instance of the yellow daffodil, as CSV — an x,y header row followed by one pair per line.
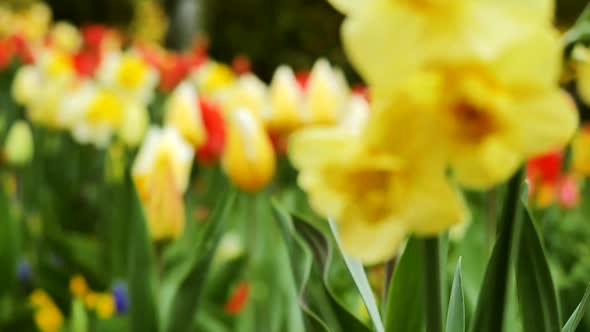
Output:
x,y
161,173
34,22
128,74
213,77
581,151
183,112
47,316
286,102
375,197
18,147
378,34
486,122
248,158
41,86
326,94
66,37
93,114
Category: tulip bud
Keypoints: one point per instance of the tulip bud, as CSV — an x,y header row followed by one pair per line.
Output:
x,y
327,91
248,158
66,37
134,125
27,82
250,93
184,113
18,146
212,77
285,100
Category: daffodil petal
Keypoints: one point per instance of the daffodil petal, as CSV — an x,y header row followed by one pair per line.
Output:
x,y
313,147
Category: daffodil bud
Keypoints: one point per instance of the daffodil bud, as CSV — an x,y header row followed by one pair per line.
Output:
x,y
326,93
26,84
248,158
285,101
18,147
184,113
136,120
161,173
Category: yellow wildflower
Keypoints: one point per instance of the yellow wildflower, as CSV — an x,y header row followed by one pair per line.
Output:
x,y
105,305
161,173
47,315
372,195
78,286
18,147
90,300
285,112
248,157
581,151
183,112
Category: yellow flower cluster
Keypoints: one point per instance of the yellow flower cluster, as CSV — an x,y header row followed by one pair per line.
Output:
x,y
462,92
102,303
48,317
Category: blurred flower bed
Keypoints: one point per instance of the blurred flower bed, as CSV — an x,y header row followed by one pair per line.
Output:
x,y
144,189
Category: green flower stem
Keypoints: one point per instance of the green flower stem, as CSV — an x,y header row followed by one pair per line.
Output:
x,y
432,279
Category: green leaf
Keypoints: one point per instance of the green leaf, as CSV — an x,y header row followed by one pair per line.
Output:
x,y
456,313
489,312
356,269
143,312
405,300
572,323
189,289
8,244
310,239
536,291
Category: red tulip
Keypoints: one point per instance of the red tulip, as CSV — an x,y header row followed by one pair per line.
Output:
x,y
215,127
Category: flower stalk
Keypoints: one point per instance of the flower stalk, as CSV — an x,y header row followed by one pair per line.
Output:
x,y
432,279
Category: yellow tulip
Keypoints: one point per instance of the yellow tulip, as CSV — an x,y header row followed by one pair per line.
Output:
x,y
248,92
18,147
66,37
581,151
375,197
213,77
286,102
161,173
248,157
326,94
135,122
183,112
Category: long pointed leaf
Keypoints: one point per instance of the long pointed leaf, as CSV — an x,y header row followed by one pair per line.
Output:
x,y
456,313
355,267
405,300
572,323
536,292
143,313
